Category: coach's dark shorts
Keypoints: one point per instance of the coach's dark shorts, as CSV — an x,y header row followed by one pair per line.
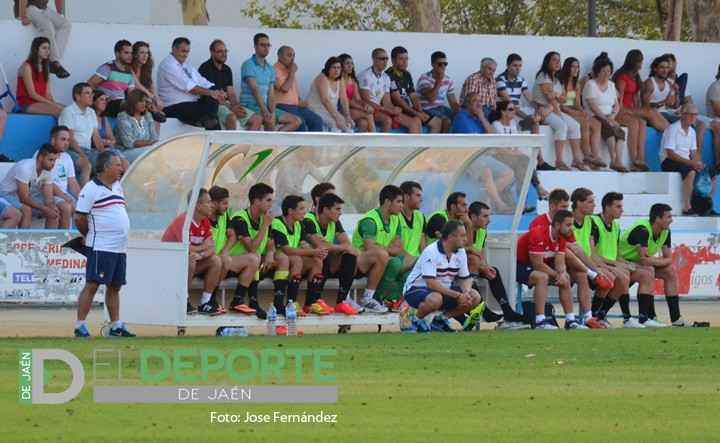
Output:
x,y
417,294
106,268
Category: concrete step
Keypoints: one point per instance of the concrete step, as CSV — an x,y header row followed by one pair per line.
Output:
x,y
640,190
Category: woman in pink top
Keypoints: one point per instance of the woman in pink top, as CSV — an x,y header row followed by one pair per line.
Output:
x,y
360,112
33,84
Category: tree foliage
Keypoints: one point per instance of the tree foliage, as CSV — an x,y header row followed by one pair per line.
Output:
x,y
643,19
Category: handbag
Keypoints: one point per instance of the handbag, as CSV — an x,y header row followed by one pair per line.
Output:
x,y
703,183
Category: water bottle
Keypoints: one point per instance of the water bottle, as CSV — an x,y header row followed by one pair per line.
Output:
x,y
271,320
291,316
234,332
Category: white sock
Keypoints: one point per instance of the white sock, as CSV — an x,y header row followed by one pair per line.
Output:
x,y
205,298
539,318
592,274
369,293
570,317
587,316
80,324
116,324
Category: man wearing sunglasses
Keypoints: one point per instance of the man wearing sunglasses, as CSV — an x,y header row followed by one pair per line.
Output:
x,y
435,87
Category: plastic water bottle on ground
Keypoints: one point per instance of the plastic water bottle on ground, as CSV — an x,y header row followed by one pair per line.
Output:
x,y
271,320
234,332
291,316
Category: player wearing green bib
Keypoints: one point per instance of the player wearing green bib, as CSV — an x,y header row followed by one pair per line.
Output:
x,y
640,244
479,214
604,243
378,236
583,206
290,239
325,231
456,208
251,233
244,265
412,220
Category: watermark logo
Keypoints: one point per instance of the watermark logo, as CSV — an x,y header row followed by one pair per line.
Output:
x,y
33,376
189,366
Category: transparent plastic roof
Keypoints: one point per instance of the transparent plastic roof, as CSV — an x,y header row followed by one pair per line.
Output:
x,y
495,169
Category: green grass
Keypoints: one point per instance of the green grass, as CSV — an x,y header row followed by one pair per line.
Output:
x,y
619,385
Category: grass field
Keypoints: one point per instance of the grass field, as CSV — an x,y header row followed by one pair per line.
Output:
x,y
615,385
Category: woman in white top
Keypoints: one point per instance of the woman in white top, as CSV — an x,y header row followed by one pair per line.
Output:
x,y
600,100
658,93
549,91
326,91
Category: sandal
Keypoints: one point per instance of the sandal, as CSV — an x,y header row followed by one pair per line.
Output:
x,y
561,166
635,168
595,160
642,165
618,168
578,165
591,165
57,69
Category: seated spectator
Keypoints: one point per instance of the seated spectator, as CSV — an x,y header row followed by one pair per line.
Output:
x,y
257,90
403,95
482,82
51,25
658,93
471,119
287,94
33,83
115,78
105,129
82,121
549,91
679,83
142,67
361,113
712,104
679,153
628,83
187,95
134,126
30,187
512,87
601,102
64,170
589,127
435,87
230,112
328,100
375,92
517,161
203,260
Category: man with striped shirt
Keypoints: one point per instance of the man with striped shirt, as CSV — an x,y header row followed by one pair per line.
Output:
x,y
430,285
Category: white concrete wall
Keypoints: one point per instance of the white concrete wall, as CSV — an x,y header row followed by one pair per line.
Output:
x,y
91,44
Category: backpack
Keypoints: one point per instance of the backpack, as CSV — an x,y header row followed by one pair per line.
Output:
x,y
529,313
702,205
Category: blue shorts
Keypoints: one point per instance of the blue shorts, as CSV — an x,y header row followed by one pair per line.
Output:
x,y
92,156
417,294
4,204
106,268
440,112
14,200
523,271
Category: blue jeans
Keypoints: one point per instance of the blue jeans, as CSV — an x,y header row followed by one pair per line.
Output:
x,y
309,121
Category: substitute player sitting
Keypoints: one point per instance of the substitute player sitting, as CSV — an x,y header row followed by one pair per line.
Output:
x,y
430,285
324,231
289,236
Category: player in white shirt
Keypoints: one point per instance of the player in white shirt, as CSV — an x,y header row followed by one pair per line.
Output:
x,y
430,285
